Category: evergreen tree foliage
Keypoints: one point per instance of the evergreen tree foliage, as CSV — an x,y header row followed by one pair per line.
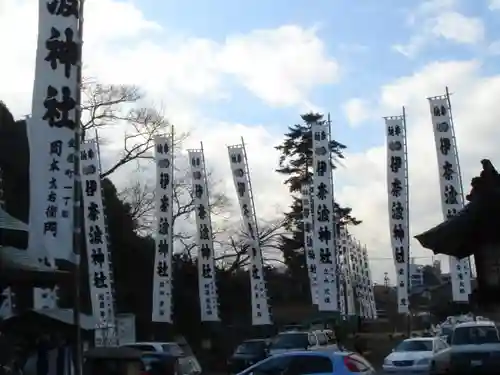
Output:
x,y
296,162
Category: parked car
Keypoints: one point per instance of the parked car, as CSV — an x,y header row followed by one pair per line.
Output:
x,y
171,348
248,353
312,363
475,349
413,355
294,340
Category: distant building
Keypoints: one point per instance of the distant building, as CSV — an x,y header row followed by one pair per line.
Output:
x,y
416,275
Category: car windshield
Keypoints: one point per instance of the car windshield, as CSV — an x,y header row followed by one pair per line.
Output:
x,y
446,331
173,349
474,335
251,347
414,346
290,341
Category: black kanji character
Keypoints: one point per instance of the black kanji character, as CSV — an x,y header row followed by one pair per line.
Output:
x,y
52,197
439,110
448,171
251,231
163,248
64,8
206,271
205,251
54,166
450,212
323,213
312,268
195,162
394,130
321,168
324,234
50,226
246,211
90,187
325,256
97,257
51,211
64,51
398,232
198,191
442,127
399,254
164,203
164,180
255,272
57,112
241,188
163,226
450,195
320,135
100,280
444,145
95,235
236,158
322,191
204,232
311,254
56,148
396,187
397,211
196,175
396,163
94,211
254,252
69,173
53,183
309,241
162,148
162,268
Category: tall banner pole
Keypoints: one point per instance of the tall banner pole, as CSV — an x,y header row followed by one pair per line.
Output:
x,y
450,183
397,191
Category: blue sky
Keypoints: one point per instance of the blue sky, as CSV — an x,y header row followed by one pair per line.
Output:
x,y
358,34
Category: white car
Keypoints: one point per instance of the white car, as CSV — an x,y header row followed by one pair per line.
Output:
x,y
413,355
296,340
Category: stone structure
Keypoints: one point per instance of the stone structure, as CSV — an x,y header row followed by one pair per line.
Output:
x,y
474,231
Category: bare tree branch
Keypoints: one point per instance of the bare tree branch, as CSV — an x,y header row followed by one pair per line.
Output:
x,y
236,254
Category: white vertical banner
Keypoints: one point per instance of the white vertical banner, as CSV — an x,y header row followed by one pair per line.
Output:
x,y
451,189
45,298
366,282
99,270
342,271
164,193
7,307
397,191
260,306
324,225
51,131
209,304
350,293
311,252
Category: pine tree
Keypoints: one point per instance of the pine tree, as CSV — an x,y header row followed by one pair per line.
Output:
x,y
296,162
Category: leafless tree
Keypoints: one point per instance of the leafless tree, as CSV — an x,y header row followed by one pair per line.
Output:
x,y
106,106
141,197
235,248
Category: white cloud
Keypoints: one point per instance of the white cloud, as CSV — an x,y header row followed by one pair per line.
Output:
x,y
438,18
363,181
494,5
356,111
280,66
494,48
459,28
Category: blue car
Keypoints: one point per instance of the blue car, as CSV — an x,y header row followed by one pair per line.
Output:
x,y
311,363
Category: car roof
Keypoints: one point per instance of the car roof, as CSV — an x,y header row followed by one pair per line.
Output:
x,y
152,343
255,340
329,354
421,338
481,323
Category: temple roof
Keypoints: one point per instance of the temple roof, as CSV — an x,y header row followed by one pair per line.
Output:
x,y
476,224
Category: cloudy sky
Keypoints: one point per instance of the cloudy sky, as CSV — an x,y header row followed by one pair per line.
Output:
x,y
225,69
